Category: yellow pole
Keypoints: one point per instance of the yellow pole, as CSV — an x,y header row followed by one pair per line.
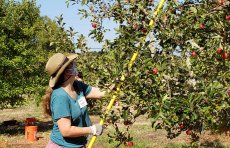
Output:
x,y
151,23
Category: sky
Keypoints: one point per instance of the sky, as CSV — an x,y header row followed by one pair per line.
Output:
x,y
54,8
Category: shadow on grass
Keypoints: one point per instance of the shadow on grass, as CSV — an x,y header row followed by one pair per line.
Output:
x,y
14,127
206,144
177,146
216,144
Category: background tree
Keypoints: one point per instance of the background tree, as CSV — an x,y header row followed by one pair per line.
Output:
x,y
26,41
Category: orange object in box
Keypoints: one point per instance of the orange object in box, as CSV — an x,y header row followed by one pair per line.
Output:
x,y
31,133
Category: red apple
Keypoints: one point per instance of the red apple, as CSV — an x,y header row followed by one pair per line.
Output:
x,y
188,132
228,92
129,143
127,122
220,2
225,55
144,30
202,26
227,17
194,54
181,125
219,50
155,71
94,25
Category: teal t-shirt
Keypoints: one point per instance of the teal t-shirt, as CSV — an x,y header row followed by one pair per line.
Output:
x,y
62,105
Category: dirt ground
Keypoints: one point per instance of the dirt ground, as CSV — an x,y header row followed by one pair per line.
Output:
x,y
12,132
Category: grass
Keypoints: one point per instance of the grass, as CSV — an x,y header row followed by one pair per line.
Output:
x,y
13,136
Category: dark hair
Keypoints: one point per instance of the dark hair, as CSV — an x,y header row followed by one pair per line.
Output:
x,y
46,101
80,74
46,98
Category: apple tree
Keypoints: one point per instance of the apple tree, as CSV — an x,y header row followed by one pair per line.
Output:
x,y
26,40
182,74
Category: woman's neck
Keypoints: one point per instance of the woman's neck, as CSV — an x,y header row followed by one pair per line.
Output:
x,y
68,85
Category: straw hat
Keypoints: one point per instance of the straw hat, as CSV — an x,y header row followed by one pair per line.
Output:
x,y
56,65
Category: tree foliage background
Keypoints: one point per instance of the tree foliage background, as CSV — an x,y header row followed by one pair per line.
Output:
x,y
26,41
182,74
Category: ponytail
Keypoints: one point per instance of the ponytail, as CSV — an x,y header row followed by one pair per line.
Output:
x,y
46,101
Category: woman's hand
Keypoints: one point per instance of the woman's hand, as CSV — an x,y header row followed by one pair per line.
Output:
x,y
96,129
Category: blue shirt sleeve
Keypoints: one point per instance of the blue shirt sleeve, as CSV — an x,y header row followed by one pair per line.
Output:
x,y
81,86
60,106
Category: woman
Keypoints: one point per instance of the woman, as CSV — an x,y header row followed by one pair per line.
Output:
x,y
65,101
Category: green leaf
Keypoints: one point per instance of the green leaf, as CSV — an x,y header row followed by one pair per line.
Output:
x,y
193,10
83,2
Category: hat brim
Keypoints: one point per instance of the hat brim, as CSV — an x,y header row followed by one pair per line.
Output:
x,y
53,80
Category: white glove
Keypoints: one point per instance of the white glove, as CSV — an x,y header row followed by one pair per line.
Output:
x,y
96,129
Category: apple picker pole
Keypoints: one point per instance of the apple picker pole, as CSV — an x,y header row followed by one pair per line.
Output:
x,y
123,77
